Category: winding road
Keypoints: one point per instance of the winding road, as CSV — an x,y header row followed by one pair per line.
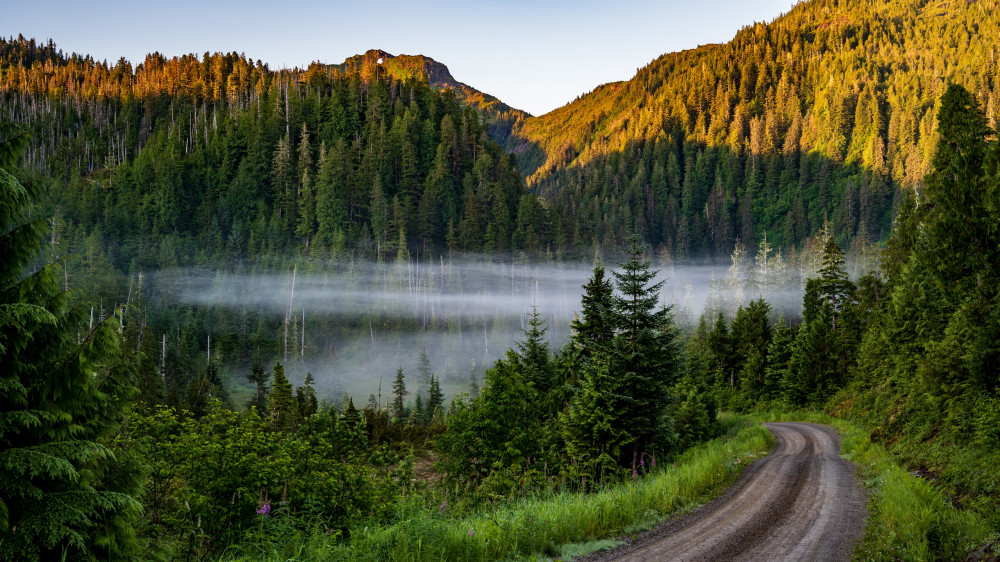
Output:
x,y
801,502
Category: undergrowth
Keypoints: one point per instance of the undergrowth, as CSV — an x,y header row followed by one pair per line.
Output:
x,y
564,524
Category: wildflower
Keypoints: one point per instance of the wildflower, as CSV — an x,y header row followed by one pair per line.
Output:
x,y
471,532
443,506
642,463
264,509
653,463
634,474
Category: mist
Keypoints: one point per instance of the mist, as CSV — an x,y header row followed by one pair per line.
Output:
x,y
353,325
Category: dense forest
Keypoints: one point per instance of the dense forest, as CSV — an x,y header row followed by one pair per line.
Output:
x,y
907,350
825,113
224,159
170,232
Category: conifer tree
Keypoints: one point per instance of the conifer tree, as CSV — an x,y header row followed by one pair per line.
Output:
x,y
533,353
423,370
259,378
419,412
281,407
62,394
305,398
435,398
591,426
644,358
399,394
595,327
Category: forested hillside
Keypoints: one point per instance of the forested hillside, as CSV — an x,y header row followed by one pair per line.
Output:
x,y
909,350
225,158
500,116
826,112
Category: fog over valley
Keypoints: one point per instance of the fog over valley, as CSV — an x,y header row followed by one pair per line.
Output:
x,y
353,324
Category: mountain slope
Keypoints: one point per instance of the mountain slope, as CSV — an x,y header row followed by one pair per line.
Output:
x,y
499,115
836,99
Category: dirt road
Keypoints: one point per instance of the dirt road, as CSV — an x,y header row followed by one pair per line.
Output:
x,y
800,502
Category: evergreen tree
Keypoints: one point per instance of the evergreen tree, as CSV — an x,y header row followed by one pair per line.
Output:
x,y
259,378
594,329
305,398
419,412
533,354
499,431
62,395
435,399
591,427
399,394
645,358
779,356
281,406
423,370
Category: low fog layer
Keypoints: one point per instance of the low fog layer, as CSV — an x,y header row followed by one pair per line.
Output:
x,y
353,325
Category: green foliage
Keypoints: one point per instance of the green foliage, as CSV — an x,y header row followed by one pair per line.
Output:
x,y
305,398
497,431
214,479
63,492
399,394
538,526
282,409
644,358
752,137
909,517
594,329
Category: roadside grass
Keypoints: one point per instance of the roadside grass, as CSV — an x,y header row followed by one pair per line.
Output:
x,y
562,525
909,518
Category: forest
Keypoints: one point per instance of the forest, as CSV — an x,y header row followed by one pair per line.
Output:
x,y
338,312
826,113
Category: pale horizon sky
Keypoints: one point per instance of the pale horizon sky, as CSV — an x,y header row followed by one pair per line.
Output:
x,y
536,56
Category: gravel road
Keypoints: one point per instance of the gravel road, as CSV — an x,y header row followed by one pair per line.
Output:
x,y
801,502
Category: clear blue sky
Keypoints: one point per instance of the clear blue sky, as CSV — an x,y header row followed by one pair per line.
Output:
x,y
533,55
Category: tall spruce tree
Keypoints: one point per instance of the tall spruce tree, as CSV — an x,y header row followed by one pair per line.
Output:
x,y
281,407
399,394
305,398
595,327
533,353
435,399
63,494
259,378
644,357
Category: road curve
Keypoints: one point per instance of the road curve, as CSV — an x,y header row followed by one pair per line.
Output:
x,y
801,502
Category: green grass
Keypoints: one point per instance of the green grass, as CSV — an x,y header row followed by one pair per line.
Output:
x,y
562,525
909,518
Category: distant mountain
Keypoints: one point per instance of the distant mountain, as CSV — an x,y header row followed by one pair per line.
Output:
x,y
499,115
825,113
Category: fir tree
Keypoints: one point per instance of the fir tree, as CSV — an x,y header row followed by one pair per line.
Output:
x,y
399,394
595,327
62,395
533,353
435,398
305,398
259,378
644,359
591,427
419,413
423,370
281,406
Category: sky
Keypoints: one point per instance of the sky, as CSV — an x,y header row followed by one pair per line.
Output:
x,y
533,55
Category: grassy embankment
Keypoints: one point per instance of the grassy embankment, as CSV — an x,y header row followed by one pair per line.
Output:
x,y
560,525
909,518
